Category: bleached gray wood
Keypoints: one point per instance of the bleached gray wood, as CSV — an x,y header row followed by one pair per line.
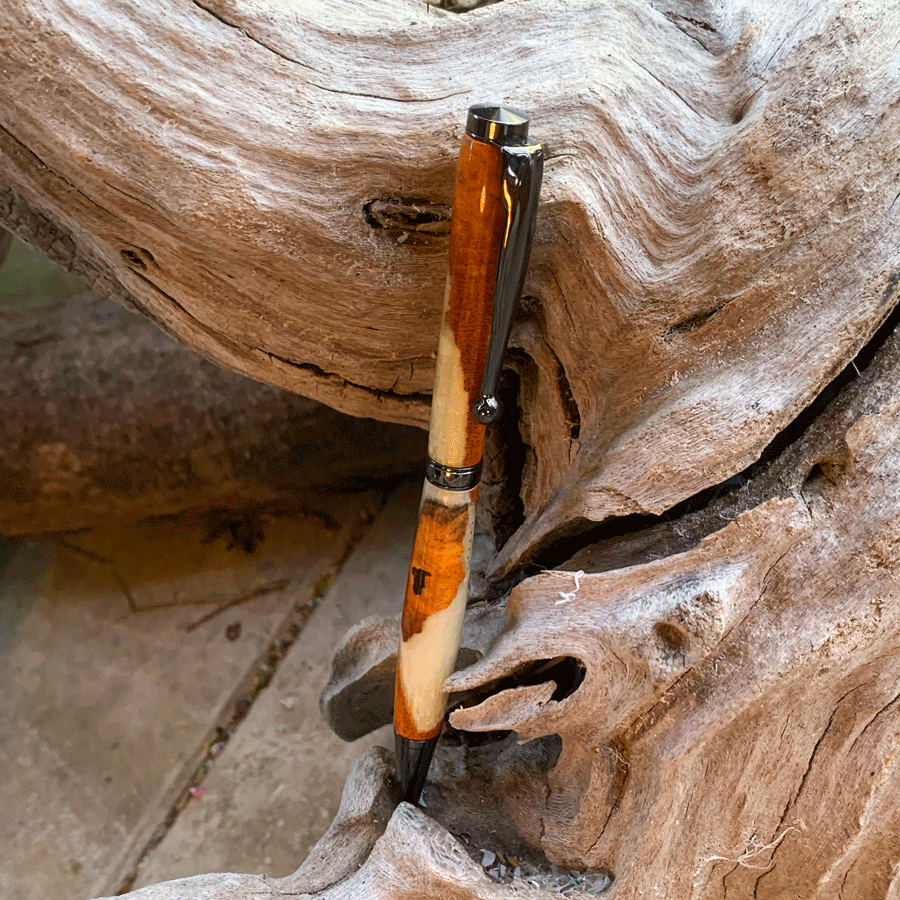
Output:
x,y
269,181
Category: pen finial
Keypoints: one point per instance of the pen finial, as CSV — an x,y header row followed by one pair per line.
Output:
x,y
497,124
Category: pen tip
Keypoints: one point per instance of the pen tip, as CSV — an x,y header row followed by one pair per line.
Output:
x,y
413,760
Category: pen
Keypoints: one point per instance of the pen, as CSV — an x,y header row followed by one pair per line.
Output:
x,y
498,180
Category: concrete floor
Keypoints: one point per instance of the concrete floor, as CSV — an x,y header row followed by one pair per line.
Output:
x,y
137,664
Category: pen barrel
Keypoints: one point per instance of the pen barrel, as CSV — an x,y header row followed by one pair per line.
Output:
x,y
437,585
479,216
433,610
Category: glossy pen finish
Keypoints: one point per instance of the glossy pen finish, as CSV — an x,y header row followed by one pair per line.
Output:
x,y
437,584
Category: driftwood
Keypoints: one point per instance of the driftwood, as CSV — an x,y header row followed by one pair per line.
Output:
x,y
105,418
712,708
370,850
270,183
719,722
729,713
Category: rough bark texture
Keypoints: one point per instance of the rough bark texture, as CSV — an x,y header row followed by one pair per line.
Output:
x,y
104,417
711,710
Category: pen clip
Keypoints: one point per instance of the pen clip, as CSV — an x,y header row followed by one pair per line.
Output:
x,y
523,169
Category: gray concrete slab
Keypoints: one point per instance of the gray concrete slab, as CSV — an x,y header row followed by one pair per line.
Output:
x,y
277,786
108,703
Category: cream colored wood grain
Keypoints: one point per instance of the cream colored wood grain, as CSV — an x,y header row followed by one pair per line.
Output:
x,y
427,658
451,412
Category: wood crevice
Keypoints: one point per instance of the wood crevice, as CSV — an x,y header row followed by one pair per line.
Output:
x,y
320,373
250,37
895,701
67,183
555,552
138,267
408,219
668,87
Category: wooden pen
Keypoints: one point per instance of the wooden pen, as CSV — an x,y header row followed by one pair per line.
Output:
x,y
498,179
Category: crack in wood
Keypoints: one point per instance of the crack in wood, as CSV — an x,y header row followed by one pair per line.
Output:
x,y
893,702
618,749
578,535
715,47
725,878
697,321
792,33
322,87
792,800
68,185
704,25
254,39
567,398
461,6
206,329
319,372
669,88
844,882
409,216
390,99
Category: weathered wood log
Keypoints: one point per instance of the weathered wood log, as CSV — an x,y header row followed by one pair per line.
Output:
x,y
103,417
729,713
270,183
723,721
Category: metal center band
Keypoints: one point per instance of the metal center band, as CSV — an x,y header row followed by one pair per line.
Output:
x,y
453,478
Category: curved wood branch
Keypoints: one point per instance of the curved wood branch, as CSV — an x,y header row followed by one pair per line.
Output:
x,y
713,713
370,851
718,235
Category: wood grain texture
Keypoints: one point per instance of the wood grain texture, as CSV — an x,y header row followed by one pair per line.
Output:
x,y
455,437
437,586
717,234
433,609
736,732
718,239
436,567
